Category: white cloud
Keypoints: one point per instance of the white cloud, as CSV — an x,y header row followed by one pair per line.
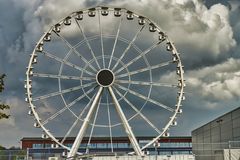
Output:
x,y
218,82
203,32
18,125
189,23
17,108
52,11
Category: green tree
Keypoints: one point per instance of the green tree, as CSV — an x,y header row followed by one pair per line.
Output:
x,y
3,106
2,148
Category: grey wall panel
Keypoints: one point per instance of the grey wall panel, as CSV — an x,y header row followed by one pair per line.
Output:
x,y
200,130
207,127
236,122
215,138
227,136
226,126
207,147
214,124
236,113
236,138
194,139
226,118
207,140
215,130
211,138
207,133
236,132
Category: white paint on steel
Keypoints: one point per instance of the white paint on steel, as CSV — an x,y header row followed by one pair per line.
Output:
x,y
118,83
83,128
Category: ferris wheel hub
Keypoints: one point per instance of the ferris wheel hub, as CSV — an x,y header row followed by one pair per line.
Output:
x,y
105,77
128,78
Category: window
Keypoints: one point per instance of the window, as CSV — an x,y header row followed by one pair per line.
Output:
x,y
165,153
93,145
114,145
163,145
102,145
47,145
37,146
83,145
69,144
122,145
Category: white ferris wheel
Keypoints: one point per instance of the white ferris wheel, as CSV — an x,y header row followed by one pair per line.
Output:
x,y
104,71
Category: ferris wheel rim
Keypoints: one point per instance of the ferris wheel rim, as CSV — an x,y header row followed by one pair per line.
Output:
x,y
155,139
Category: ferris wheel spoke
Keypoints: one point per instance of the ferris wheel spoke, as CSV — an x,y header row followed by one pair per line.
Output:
x,y
73,48
126,125
145,69
139,56
93,124
62,92
76,121
70,130
109,123
45,75
146,83
83,128
88,44
146,98
66,62
66,107
128,47
138,112
115,42
101,36
88,57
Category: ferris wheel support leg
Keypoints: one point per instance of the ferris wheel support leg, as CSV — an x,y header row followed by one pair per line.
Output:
x,y
83,129
126,125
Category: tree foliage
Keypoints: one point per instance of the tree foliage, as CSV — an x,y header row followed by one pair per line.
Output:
x,y
2,148
3,106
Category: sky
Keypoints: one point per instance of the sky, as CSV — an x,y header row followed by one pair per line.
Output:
x,y
206,33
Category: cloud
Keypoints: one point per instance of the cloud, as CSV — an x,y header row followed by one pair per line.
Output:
x,y
205,35
219,81
212,84
16,108
188,22
51,12
18,125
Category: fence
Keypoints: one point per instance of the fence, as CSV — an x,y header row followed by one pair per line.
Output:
x,y
22,155
217,151
201,151
13,154
152,157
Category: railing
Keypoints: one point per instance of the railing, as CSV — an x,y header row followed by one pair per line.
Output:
x,y
201,151
13,154
217,151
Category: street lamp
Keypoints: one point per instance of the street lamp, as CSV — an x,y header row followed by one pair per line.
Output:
x,y
156,144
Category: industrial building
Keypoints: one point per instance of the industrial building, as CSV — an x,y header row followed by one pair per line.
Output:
x,y
218,138
39,148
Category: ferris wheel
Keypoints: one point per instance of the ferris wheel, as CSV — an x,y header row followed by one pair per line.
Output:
x,y
108,72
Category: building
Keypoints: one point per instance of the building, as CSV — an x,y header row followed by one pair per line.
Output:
x,y
210,140
40,148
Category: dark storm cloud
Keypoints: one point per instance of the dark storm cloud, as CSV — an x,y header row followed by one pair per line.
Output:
x,y
208,36
13,60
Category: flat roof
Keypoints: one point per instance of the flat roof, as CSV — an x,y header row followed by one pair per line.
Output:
x,y
107,138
